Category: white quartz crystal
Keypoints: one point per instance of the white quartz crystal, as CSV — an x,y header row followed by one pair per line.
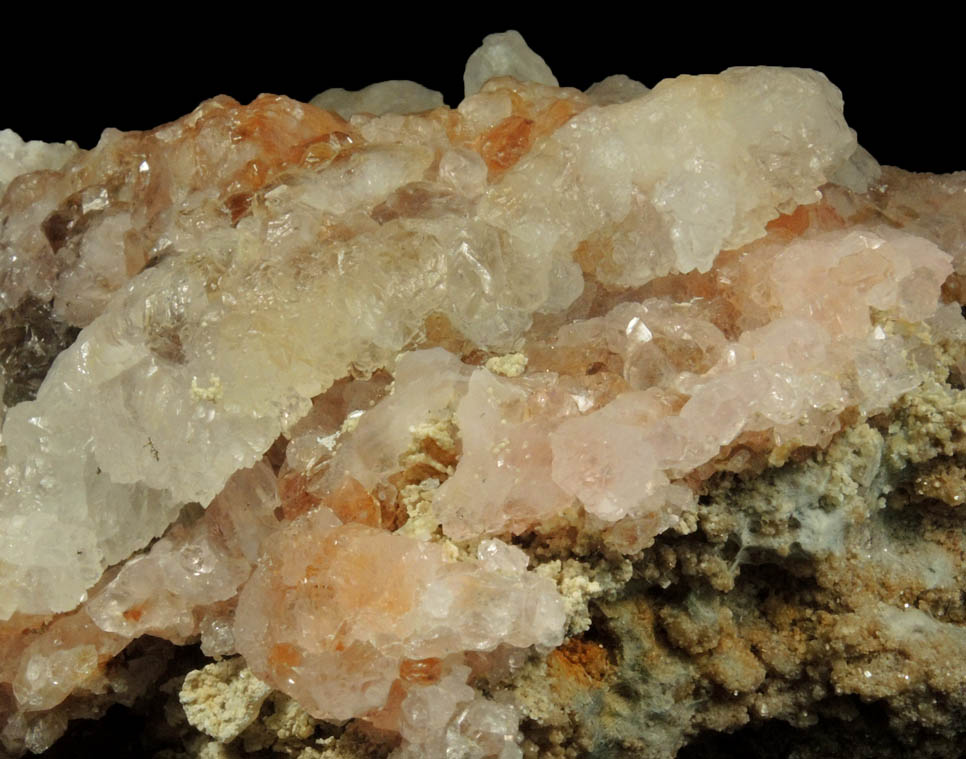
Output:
x,y
394,96
615,89
505,54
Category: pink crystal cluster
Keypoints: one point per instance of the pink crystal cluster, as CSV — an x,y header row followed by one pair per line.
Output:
x,y
395,345
677,383
338,614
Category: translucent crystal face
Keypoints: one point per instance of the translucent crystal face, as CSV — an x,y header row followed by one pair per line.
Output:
x,y
288,245
334,606
388,351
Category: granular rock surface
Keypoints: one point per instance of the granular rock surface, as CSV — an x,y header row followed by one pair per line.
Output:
x,y
627,422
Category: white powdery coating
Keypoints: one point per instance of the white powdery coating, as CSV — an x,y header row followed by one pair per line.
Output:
x,y
194,367
223,698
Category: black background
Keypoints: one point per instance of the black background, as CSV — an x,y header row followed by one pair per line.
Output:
x,y
901,80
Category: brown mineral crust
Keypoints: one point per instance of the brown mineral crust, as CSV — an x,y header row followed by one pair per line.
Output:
x,y
943,480
585,662
834,630
694,635
928,425
791,633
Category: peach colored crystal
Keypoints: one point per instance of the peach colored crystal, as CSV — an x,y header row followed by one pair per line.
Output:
x,y
336,614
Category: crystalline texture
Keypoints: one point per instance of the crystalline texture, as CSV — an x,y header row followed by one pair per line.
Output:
x,y
333,605
505,54
362,377
385,97
164,406
18,157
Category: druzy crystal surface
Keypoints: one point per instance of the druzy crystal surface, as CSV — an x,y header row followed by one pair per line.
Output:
x,y
376,395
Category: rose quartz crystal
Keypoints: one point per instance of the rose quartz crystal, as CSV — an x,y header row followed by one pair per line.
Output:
x,y
336,374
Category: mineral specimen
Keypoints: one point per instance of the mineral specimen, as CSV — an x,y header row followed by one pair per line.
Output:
x,y
556,424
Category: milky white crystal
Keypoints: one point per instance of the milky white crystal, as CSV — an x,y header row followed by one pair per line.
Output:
x,y
700,162
395,96
18,157
160,591
340,361
183,587
505,54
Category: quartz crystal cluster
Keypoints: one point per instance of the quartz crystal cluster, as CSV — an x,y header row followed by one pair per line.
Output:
x,y
339,389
